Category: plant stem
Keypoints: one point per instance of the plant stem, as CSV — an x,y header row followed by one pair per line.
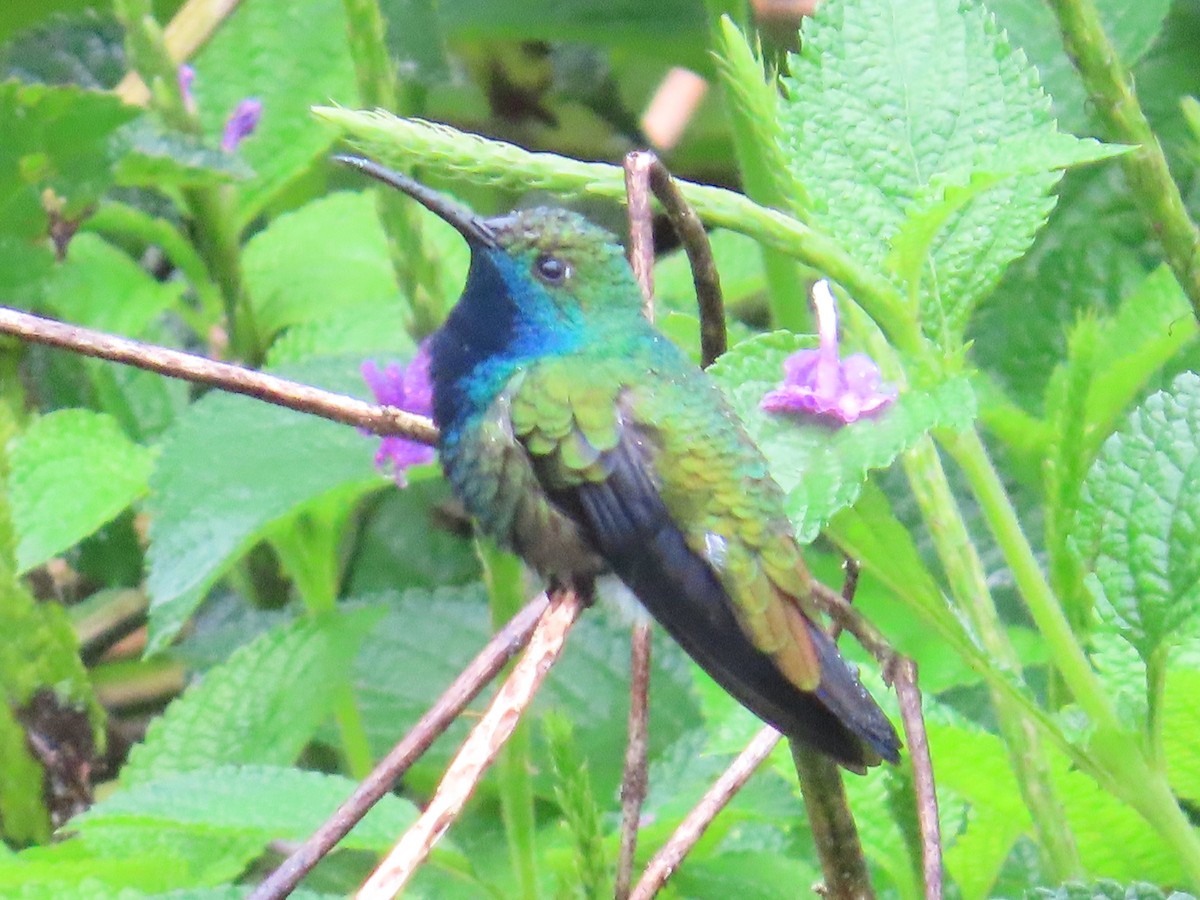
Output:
x,y
502,574
834,831
218,237
968,584
1156,682
1111,90
970,454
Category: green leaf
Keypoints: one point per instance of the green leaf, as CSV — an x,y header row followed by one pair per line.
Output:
x,y
1074,268
738,259
748,875
1139,519
821,468
71,472
573,791
154,157
372,332
402,543
1106,889
57,138
415,40
260,707
888,98
230,469
945,196
82,49
39,653
299,269
1181,718
1150,327
1132,27
100,287
268,802
287,55
23,813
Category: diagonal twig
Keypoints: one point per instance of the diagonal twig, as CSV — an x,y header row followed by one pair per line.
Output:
x,y
716,798
380,420
634,781
635,777
478,751
477,674
900,672
903,676
690,229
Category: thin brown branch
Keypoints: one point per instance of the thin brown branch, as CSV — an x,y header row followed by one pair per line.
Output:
x,y
901,672
477,674
699,252
834,832
693,826
380,420
635,778
478,751
634,781
643,168
850,619
903,675
641,224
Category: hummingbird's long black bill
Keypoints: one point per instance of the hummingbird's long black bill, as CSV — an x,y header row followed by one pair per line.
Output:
x,y
471,226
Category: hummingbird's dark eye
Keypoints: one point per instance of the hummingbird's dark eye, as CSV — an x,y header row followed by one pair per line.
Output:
x,y
551,270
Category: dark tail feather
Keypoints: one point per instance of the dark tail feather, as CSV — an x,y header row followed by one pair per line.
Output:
x,y
682,592
633,531
842,692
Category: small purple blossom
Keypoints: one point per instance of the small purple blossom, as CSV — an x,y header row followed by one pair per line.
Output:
x,y
821,383
408,388
241,123
187,75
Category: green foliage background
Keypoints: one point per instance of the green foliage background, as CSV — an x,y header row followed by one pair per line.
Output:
x,y
1026,513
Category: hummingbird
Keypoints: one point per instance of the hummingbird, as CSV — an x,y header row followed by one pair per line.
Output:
x,y
581,438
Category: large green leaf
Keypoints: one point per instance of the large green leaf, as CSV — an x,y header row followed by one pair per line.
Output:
x,y
83,49
269,802
1139,520
1181,719
1030,24
70,472
330,256
153,157
230,468
260,707
822,468
39,653
886,100
1107,889
99,286
1074,267
288,55
57,138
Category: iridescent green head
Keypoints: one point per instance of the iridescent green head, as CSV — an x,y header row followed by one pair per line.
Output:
x,y
561,270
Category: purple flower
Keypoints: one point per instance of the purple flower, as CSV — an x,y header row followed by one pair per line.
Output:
x,y
407,388
821,383
186,76
241,123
